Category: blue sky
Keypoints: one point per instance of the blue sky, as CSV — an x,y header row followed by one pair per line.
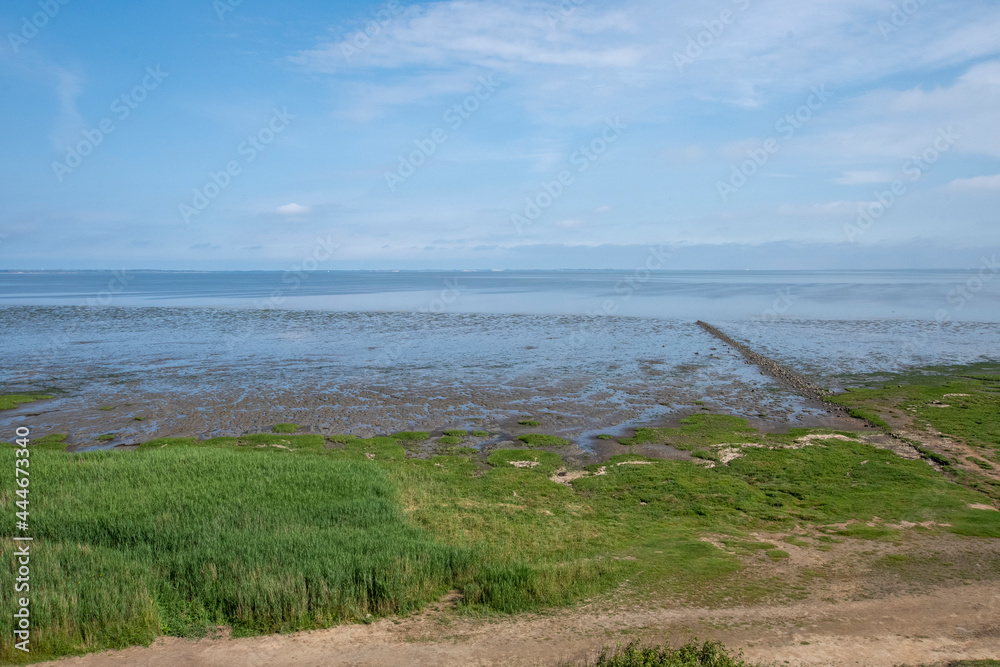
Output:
x,y
575,133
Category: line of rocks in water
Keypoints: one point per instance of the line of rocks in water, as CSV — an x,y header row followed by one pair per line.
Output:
x,y
775,370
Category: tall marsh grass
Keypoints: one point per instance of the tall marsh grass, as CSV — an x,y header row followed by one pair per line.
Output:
x,y
131,545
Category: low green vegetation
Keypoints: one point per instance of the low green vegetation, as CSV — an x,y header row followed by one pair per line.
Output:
x,y
481,434
11,401
979,462
450,440
605,436
412,436
529,422
133,545
696,432
960,401
286,428
276,532
105,437
105,408
54,441
542,440
456,433
709,654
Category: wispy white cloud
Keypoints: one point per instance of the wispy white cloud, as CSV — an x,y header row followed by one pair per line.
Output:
x,y
864,177
292,209
827,209
886,127
482,34
69,123
976,183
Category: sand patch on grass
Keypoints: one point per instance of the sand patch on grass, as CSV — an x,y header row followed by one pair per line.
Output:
x,y
567,477
807,440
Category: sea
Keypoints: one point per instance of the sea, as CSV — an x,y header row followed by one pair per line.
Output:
x,y
828,321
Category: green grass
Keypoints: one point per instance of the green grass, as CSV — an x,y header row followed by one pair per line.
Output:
x,y
541,440
450,440
105,437
979,462
962,402
132,545
709,654
53,441
105,408
971,418
481,434
11,401
412,436
696,432
273,532
529,422
605,436
286,428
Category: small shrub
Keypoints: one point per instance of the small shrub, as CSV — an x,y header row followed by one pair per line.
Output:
x,y
709,654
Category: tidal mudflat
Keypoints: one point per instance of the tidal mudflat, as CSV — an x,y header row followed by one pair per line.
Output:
x,y
138,373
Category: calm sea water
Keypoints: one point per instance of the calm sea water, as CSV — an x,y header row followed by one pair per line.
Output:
x,y
730,295
463,325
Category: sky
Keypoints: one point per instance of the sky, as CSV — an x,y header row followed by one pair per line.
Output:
x,y
239,134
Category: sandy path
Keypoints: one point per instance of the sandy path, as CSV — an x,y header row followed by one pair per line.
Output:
x,y
953,623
